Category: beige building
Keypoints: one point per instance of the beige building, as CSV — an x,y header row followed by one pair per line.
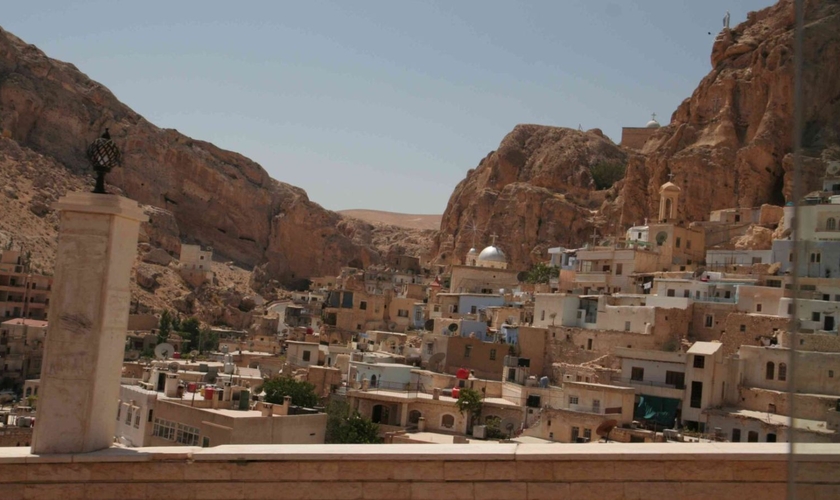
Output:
x,y
636,137
22,294
21,349
149,418
195,265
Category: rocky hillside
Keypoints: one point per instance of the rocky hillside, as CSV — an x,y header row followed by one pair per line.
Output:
x,y
535,191
730,143
218,198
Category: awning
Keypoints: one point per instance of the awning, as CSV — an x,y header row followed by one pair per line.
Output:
x,y
662,411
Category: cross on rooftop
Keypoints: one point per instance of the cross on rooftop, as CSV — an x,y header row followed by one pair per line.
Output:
x,y
653,116
493,239
671,176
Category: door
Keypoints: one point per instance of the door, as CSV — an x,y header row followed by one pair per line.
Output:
x,y
161,381
828,323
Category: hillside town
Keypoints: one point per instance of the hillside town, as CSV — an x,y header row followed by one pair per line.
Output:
x,y
585,318
673,331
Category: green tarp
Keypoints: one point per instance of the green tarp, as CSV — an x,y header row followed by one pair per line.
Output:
x,y
663,411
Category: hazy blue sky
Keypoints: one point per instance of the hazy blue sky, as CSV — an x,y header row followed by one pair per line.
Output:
x,y
382,104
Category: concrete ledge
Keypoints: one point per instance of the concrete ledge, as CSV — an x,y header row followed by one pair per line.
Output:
x,y
414,472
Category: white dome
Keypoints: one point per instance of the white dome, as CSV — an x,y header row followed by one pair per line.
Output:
x,y
492,254
652,124
472,251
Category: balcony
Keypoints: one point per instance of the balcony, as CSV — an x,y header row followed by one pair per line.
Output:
x,y
651,388
592,277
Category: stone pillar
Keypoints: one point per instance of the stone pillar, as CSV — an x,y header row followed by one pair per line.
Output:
x,y
88,317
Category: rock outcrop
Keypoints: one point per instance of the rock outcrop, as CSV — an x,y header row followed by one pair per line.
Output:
x,y
730,143
217,198
536,191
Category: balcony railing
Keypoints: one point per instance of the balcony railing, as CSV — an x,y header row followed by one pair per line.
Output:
x,y
628,382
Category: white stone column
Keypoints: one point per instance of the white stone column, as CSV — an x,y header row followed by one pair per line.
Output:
x,y
404,414
88,317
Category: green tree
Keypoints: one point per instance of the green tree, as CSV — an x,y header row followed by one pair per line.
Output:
x,y
469,402
606,173
164,326
346,426
541,273
302,393
190,330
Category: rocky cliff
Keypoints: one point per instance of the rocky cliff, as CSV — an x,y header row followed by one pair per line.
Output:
x,y
535,191
730,143
218,198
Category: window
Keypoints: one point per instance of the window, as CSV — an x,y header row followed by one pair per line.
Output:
x,y
575,433
467,351
119,409
588,344
137,419
619,268
830,373
790,308
164,429
626,326
831,224
573,400
363,305
688,246
150,416
816,257
430,348
678,241
473,309
402,313
637,373
752,437
758,308
187,435
782,371
727,294
587,433
306,355
815,316
492,354
742,328
696,394
770,371
686,293
771,438
596,406
677,379
710,321
542,315
447,421
736,435
699,361
671,292
129,415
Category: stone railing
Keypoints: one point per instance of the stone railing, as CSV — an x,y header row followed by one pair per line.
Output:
x,y
417,471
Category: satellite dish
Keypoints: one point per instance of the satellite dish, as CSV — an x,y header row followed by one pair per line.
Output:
x,y
436,361
699,271
429,324
173,367
164,351
605,428
453,327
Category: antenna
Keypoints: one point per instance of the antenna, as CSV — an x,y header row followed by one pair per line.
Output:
x,y
164,351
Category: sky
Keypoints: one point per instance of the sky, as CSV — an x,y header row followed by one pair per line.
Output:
x,y
380,104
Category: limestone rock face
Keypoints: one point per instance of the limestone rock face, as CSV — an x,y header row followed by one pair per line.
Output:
x,y
536,191
157,256
730,143
217,198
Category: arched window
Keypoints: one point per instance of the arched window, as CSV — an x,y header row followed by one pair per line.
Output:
x,y
782,371
771,371
414,416
668,208
831,224
447,421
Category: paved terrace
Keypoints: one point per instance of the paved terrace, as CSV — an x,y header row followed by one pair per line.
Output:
x,y
721,471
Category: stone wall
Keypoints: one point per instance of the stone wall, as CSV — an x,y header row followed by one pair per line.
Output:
x,y
722,471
